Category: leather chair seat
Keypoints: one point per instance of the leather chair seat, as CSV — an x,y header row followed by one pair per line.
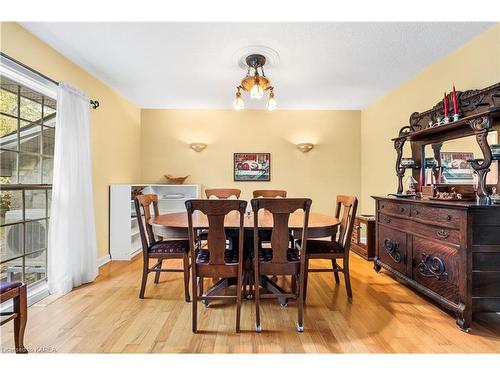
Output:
x,y
5,286
323,247
170,247
230,257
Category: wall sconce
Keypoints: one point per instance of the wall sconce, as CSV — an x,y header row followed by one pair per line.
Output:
x,y
305,147
198,147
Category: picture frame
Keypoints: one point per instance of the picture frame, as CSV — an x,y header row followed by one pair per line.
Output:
x,y
252,166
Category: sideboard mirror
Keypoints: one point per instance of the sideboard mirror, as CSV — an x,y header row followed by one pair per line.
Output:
x,y
448,162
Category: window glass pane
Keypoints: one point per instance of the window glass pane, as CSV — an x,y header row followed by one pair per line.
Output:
x,y
8,167
8,97
11,206
48,141
49,112
12,241
30,137
12,271
47,170
31,105
8,132
36,236
35,204
29,169
49,202
35,267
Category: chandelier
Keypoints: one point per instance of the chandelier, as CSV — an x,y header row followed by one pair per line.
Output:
x,y
255,83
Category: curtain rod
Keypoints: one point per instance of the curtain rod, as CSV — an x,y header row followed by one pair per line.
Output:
x,y
93,103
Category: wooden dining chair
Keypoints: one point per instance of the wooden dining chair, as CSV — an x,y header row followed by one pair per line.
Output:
x,y
15,291
160,250
338,246
284,257
269,193
223,193
216,260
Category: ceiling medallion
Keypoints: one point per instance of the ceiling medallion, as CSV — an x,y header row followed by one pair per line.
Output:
x,y
255,83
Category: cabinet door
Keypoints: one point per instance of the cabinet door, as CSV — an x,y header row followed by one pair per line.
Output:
x,y
392,249
435,266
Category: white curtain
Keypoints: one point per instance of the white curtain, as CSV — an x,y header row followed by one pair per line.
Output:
x,y
72,240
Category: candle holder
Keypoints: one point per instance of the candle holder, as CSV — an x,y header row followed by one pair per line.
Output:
x,y
446,120
456,116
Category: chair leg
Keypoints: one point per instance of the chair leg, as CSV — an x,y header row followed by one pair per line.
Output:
x,y
195,303
305,278
335,273
300,301
238,302
185,262
293,283
347,279
21,308
144,277
258,327
157,275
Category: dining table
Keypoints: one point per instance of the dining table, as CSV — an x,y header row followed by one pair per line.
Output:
x,y
175,225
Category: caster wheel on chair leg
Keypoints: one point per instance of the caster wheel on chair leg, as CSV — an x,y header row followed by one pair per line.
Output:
x,y
206,304
258,329
284,304
299,328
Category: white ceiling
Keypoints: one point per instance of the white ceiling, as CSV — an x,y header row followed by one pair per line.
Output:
x,y
193,65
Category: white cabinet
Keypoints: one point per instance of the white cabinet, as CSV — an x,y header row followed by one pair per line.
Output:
x,y
124,237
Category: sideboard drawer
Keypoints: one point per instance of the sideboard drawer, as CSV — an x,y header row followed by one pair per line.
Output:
x,y
440,216
392,249
435,265
429,231
436,232
394,208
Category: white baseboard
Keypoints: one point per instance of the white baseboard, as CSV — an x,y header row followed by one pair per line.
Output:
x,y
103,260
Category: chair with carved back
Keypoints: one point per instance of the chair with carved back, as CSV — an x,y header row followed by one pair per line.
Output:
x,y
217,259
269,193
160,250
221,193
265,235
284,257
15,291
338,246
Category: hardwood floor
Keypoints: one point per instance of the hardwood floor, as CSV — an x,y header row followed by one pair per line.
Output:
x,y
384,317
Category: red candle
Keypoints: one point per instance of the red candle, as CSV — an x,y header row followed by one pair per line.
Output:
x,y
455,102
445,102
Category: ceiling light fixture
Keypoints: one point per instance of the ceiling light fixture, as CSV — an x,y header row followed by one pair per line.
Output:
x,y
255,83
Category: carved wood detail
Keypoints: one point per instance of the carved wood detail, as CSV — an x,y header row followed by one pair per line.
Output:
x,y
469,102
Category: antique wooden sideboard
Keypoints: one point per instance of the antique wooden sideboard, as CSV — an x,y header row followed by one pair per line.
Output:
x,y
449,250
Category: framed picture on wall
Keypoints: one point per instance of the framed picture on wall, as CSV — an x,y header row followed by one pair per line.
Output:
x,y
252,166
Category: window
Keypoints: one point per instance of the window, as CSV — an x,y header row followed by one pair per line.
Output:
x,y
27,131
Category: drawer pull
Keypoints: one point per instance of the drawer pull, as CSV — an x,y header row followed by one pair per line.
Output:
x,y
448,217
416,212
443,234
402,209
386,219
431,266
392,249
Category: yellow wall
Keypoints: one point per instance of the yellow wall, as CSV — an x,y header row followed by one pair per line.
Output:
x,y
115,125
474,65
331,168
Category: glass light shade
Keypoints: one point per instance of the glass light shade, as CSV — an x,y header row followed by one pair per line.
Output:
x,y
256,92
238,104
271,104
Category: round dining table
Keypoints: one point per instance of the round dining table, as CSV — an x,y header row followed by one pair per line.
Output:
x,y
175,225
